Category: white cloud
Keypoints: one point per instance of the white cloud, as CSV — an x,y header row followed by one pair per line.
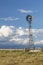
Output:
x,y
26,11
20,31
39,42
20,40
17,40
20,35
26,41
6,31
9,19
37,33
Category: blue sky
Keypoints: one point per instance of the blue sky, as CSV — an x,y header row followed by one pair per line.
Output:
x,y
13,24
11,8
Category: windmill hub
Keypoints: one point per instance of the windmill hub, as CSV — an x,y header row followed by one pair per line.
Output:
x,y
29,18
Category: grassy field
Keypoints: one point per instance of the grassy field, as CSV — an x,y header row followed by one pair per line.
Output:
x,y
12,57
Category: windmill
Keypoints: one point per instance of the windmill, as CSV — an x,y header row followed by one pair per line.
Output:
x,y
30,43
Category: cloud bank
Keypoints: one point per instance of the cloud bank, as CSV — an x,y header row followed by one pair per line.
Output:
x,y
19,35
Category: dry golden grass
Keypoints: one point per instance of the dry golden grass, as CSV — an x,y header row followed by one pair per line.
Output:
x,y
12,57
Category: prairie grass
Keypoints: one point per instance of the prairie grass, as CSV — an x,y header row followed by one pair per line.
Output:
x,y
12,57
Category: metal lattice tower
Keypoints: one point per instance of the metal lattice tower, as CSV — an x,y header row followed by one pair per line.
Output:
x,y
31,43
